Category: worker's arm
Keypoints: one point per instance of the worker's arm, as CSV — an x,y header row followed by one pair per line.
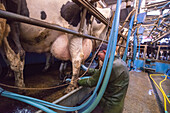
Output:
x,y
92,81
91,71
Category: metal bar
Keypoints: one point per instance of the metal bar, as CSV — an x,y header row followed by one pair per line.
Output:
x,y
94,11
157,56
120,45
153,27
148,25
153,5
124,37
163,2
24,19
161,37
81,30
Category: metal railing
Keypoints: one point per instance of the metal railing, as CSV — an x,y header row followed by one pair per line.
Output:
x,y
24,19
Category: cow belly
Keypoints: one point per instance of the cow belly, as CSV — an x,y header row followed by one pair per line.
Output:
x,y
87,48
41,42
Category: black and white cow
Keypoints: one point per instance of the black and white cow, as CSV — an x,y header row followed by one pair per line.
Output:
x,y
62,45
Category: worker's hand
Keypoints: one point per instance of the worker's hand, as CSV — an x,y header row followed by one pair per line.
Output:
x,y
83,67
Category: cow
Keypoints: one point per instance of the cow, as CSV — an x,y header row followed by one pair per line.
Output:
x,y
63,46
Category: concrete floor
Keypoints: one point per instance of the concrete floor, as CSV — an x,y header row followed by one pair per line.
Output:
x,y
141,97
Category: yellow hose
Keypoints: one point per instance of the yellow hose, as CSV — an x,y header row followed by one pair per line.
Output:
x,y
160,88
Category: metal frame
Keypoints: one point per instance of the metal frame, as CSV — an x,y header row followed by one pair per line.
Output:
x,y
24,19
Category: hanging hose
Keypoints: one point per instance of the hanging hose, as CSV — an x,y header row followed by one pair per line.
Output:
x,y
134,47
161,89
113,37
128,37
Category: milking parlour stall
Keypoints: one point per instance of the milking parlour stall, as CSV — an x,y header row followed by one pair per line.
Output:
x,y
48,46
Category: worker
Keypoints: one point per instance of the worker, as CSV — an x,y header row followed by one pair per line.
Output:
x,y
113,98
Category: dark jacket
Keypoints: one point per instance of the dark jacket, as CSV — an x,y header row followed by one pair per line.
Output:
x,y
113,98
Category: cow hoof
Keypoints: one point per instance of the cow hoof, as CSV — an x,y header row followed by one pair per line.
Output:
x,y
70,88
61,76
45,69
20,85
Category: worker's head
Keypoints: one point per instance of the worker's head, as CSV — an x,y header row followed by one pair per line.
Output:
x,y
102,52
101,55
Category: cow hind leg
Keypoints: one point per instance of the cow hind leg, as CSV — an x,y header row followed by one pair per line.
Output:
x,y
75,75
9,71
16,64
47,63
77,55
15,33
62,70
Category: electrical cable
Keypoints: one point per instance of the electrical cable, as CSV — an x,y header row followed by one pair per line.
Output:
x,y
161,89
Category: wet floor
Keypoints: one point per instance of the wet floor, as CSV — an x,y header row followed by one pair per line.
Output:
x,y
140,96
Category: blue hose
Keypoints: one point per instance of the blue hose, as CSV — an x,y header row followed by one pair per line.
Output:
x,y
128,37
113,36
163,5
134,47
29,102
139,50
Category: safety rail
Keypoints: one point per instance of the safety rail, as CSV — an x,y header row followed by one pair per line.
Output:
x,y
32,21
24,19
154,6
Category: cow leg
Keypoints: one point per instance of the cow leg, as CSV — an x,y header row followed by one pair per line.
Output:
x,y
15,34
47,63
16,64
77,55
62,69
10,72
